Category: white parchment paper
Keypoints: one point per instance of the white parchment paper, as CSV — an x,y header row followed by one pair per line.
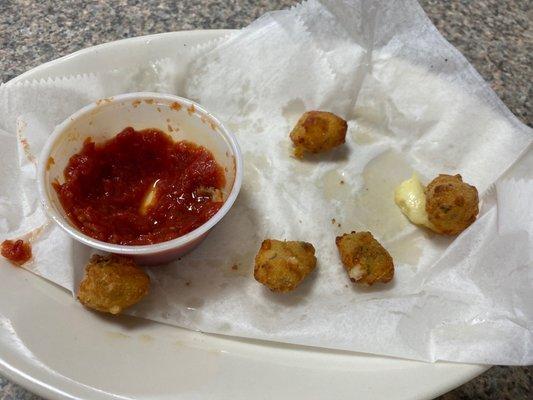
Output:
x,y
413,104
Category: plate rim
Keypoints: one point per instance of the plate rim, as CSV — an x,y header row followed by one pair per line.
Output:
x,y
39,68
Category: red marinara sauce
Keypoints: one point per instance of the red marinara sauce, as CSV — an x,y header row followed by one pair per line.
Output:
x,y
17,252
140,187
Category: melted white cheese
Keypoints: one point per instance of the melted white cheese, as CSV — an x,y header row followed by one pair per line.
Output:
x,y
410,197
149,199
356,272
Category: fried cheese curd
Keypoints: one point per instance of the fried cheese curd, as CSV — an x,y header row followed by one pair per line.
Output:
x,y
451,204
317,132
112,283
364,258
447,205
283,265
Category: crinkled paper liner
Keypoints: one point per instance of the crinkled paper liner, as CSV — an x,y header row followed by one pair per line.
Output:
x,y
465,300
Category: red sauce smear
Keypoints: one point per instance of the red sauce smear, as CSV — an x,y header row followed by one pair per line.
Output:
x,y
18,251
107,186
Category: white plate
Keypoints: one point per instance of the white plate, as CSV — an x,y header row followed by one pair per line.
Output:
x,y
55,348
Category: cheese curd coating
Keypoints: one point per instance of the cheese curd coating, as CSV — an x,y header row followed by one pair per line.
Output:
x,y
282,266
318,131
112,283
364,258
451,204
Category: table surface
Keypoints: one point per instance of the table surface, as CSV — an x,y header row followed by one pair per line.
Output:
x,y
494,35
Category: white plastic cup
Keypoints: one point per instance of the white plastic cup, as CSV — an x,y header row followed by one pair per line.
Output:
x,y
181,118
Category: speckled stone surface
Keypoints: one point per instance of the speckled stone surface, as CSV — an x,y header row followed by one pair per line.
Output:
x,y
495,35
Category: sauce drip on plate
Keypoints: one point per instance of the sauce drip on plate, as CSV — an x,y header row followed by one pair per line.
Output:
x,y
17,252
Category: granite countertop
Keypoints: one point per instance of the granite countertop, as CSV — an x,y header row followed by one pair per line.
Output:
x,y
494,35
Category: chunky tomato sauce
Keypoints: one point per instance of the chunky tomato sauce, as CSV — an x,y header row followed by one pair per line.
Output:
x,y
18,251
140,187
